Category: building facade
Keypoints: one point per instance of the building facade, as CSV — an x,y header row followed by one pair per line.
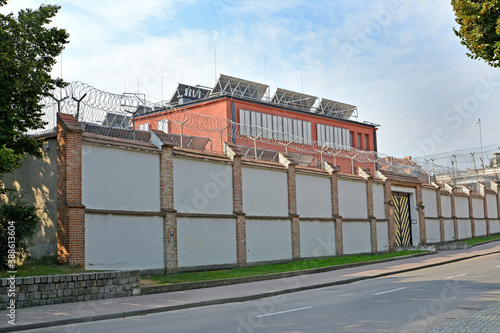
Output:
x,y
288,121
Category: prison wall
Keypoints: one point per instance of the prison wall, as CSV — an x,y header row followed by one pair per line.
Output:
x,y
155,207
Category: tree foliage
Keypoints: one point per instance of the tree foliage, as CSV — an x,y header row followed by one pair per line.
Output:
x,y
479,31
18,221
28,51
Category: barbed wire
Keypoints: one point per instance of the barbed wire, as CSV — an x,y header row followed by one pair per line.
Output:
x,y
133,110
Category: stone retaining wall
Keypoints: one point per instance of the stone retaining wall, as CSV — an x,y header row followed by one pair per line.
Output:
x,y
55,289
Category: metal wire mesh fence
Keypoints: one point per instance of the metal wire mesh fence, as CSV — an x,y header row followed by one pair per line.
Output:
x,y
131,116
464,166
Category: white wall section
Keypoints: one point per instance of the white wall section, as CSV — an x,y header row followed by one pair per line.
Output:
x,y
356,237
269,240
120,179
202,187
314,196
433,231
116,242
382,237
462,206
205,241
430,203
352,199
265,192
317,239
478,207
446,205
378,201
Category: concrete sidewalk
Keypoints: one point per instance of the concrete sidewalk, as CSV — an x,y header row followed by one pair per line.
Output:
x,y
71,313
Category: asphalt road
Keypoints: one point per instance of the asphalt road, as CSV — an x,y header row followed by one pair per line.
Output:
x,y
407,302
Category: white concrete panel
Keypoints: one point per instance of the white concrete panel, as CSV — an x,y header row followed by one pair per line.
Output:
x,y
314,196
480,227
269,240
117,242
478,208
464,229
430,202
352,199
120,179
446,205
378,201
491,201
317,239
382,237
356,237
433,231
494,226
449,230
202,187
265,192
205,241
462,206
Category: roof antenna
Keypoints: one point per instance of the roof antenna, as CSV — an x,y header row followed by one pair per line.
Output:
x,y
161,79
265,70
215,61
302,78
215,36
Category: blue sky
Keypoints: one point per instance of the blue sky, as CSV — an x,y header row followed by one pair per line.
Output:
x,y
399,62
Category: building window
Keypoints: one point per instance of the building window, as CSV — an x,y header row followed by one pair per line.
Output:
x,y
334,137
163,125
279,128
144,127
359,141
367,147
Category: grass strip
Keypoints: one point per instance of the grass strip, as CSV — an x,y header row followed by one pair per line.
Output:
x,y
474,241
271,269
41,270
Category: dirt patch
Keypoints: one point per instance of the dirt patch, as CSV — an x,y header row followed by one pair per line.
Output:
x,y
147,282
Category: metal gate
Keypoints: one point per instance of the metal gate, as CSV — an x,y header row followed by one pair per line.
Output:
x,y
402,218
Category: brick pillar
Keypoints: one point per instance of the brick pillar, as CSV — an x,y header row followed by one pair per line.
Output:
x,y
454,216
389,214
171,261
421,214
170,254
483,190
365,173
440,211
339,239
70,210
496,187
292,203
241,234
471,215
241,229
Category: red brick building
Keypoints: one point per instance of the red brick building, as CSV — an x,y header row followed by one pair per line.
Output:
x,y
311,123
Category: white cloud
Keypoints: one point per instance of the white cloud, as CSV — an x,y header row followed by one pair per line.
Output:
x,y
398,61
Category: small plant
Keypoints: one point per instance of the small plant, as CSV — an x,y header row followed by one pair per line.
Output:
x,y
18,222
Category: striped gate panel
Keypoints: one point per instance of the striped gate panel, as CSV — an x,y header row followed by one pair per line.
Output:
x,y
402,218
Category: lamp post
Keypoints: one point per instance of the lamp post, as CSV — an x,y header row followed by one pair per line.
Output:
x,y
481,141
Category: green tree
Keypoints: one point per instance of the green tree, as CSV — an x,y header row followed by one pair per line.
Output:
x,y
28,51
479,31
18,222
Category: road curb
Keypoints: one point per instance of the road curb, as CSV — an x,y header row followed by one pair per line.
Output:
x,y
149,290
232,299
